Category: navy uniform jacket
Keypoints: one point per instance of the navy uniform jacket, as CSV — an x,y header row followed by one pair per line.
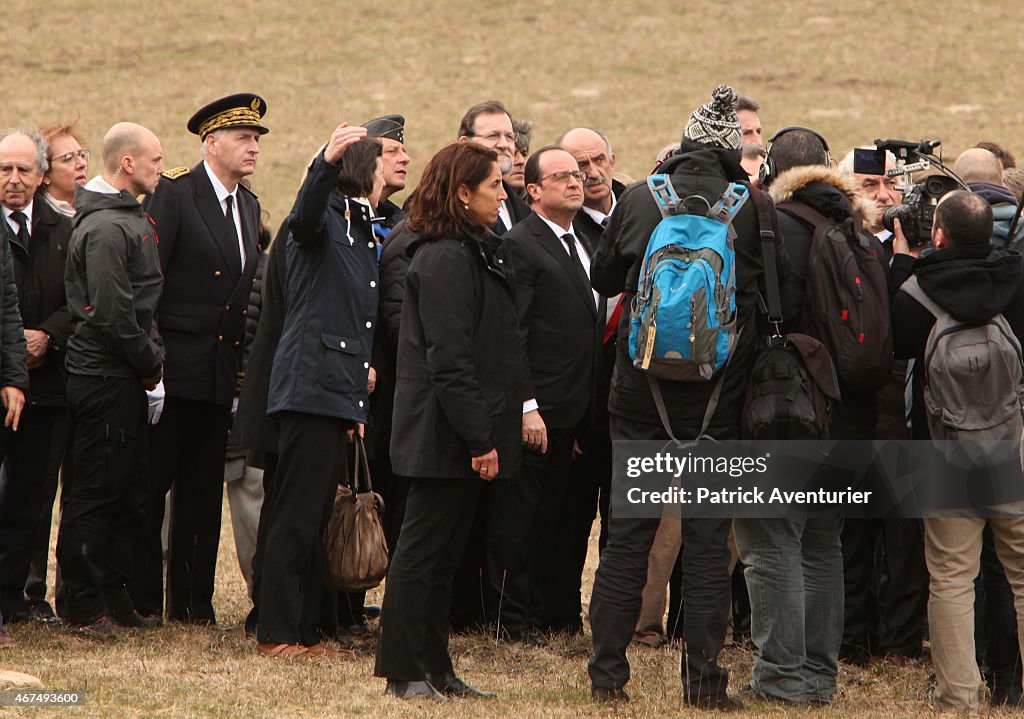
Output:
x,y
323,357
206,290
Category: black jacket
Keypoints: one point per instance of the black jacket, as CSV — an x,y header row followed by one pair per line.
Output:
x,y
616,268
586,229
13,372
518,210
973,284
206,289
394,263
459,390
559,321
113,283
39,276
252,429
323,357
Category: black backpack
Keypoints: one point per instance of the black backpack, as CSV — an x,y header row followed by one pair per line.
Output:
x,y
793,385
847,299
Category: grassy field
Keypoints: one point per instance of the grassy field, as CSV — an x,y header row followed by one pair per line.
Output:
x,y
184,672
854,71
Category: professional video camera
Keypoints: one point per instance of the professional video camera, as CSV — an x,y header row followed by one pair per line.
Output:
x,y
919,201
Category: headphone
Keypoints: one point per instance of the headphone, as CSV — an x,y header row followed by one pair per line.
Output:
x,y
768,170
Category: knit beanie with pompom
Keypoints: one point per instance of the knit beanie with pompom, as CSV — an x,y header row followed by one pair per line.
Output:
x,y
715,123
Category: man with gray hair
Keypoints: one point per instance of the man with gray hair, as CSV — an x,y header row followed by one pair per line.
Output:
x,y
113,283
37,236
208,223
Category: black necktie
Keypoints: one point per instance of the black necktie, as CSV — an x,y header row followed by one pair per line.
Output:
x,y
232,230
570,242
604,222
22,220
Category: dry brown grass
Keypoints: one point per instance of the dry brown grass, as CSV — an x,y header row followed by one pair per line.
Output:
x,y
854,71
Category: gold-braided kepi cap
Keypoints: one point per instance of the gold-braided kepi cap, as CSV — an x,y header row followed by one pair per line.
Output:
x,y
242,110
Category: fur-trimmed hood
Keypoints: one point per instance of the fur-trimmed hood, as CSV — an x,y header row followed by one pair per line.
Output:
x,y
786,185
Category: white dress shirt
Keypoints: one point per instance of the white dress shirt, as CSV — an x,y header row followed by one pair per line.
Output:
x,y
13,223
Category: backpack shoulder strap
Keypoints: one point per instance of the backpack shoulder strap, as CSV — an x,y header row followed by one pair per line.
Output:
x,y
664,194
730,203
800,211
913,288
763,203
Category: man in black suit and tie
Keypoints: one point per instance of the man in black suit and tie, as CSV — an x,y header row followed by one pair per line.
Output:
x,y
490,124
560,322
38,239
207,222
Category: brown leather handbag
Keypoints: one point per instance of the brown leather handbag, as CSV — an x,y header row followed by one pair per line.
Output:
x,y
357,552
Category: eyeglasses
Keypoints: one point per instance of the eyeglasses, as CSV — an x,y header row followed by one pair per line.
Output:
x,y
492,137
82,155
564,176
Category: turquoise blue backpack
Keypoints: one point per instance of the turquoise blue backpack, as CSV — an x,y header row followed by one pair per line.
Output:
x,y
683,318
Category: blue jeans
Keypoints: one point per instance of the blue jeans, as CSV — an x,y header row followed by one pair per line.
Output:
x,y
794,573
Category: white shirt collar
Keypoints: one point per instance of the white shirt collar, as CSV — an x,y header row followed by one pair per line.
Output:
x,y
14,225
218,186
559,232
99,184
598,216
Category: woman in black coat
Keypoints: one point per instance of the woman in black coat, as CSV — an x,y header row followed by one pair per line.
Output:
x,y
318,381
458,409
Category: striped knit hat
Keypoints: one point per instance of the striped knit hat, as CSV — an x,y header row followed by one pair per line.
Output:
x,y
715,123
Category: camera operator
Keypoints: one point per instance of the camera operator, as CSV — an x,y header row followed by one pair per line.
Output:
x,y
973,281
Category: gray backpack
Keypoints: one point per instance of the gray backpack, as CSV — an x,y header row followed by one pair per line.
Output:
x,y
973,386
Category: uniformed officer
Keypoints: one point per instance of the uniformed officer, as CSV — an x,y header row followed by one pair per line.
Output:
x,y
390,129
207,223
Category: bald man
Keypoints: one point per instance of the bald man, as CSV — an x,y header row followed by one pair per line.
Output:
x,y
113,284
983,173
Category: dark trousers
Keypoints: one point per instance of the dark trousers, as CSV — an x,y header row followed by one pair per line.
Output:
x,y
269,497
310,465
886,587
35,585
102,512
589,488
618,590
22,492
472,598
414,617
525,513
187,459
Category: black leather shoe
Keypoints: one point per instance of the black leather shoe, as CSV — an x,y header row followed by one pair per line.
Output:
x,y
42,613
451,685
608,694
720,702
413,690
371,611
133,620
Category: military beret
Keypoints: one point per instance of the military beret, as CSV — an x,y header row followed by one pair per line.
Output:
x,y
242,110
389,126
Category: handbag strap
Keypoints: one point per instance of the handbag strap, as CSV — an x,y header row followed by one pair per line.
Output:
x,y
361,470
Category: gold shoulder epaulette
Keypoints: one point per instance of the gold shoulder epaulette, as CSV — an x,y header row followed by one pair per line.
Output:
x,y
176,173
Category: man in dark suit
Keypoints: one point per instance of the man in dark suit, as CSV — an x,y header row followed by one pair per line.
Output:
x,y
208,223
561,318
593,152
38,239
490,124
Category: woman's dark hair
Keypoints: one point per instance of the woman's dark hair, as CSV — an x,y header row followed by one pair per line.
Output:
x,y
435,209
358,168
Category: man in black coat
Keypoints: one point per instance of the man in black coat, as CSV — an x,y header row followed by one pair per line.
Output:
x,y
560,319
708,160
208,226
38,239
490,124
